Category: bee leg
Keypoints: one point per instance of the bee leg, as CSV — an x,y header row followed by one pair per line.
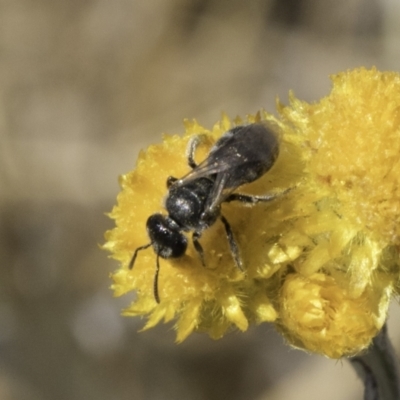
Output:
x,y
170,181
191,149
195,238
250,199
232,243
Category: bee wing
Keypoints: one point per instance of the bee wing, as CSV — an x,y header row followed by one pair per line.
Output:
x,y
244,154
205,169
220,191
220,173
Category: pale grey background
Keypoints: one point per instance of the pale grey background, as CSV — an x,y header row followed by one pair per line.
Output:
x,y
84,84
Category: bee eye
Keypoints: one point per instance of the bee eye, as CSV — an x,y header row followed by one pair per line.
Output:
x,y
166,236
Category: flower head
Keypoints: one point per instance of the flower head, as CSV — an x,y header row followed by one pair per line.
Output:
x,y
210,298
350,143
321,261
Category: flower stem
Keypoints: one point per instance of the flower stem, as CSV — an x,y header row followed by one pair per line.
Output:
x,y
379,369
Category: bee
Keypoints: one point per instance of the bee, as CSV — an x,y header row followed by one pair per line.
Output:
x,y
193,203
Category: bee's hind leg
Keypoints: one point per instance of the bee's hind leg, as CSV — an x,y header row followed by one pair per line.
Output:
x,y
232,244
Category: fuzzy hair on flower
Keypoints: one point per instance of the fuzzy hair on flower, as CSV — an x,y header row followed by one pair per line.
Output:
x,y
321,261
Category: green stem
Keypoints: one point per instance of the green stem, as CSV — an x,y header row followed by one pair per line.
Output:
x,y
379,369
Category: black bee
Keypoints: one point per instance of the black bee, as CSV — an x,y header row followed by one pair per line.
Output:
x,y
242,155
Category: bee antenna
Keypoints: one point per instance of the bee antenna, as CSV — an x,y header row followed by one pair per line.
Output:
x,y
156,295
132,262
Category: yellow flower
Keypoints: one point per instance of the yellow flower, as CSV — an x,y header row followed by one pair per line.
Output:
x,y
321,261
219,295
321,316
350,144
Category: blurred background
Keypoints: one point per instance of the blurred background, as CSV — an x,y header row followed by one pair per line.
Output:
x,y
85,84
